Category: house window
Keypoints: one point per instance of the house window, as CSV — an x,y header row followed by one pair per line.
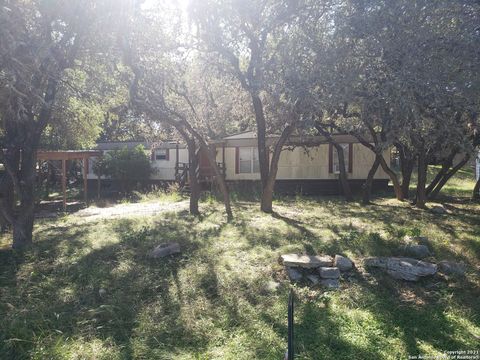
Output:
x,y
161,154
347,148
248,160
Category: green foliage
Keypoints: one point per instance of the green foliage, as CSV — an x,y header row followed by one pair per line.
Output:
x,y
128,166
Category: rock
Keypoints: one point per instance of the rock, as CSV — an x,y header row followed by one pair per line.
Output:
x,y
306,261
164,250
342,263
272,286
293,274
402,268
329,272
330,283
452,268
314,279
416,251
439,210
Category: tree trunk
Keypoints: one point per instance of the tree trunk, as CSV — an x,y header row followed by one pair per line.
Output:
x,y
347,192
367,188
476,191
421,197
261,141
391,174
434,193
7,202
407,163
447,163
193,180
267,190
21,169
396,184
220,179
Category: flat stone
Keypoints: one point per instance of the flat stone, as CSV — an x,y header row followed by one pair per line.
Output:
x,y
416,251
329,272
439,210
452,268
402,268
342,263
306,261
164,250
314,279
293,274
330,283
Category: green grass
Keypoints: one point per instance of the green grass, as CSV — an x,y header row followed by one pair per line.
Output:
x,y
217,300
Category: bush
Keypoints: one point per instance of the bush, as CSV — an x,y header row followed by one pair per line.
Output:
x,y
128,166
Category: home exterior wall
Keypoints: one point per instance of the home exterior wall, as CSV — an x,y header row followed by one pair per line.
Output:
x,y
165,169
299,163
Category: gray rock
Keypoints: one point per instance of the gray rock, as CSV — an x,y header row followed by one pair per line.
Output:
x,y
402,268
417,251
314,279
272,286
164,250
330,283
329,272
452,268
306,261
439,210
342,263
293,274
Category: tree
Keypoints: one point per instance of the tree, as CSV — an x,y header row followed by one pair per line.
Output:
x,y
160,91
248,37
39,42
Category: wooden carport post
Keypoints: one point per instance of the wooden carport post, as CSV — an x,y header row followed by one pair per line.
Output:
x,y
85,179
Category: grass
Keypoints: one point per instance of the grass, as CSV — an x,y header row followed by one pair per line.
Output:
x,y
89,291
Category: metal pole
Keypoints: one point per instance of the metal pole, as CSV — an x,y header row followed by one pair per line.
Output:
x,y
290,351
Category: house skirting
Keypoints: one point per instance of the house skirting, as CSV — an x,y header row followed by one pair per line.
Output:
x,y
287,187
310,187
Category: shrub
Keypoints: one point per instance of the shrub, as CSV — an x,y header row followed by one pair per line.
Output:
x,y
128,166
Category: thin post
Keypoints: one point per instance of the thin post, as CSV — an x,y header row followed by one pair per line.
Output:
x,y
290,351
64,183
223,160
85,179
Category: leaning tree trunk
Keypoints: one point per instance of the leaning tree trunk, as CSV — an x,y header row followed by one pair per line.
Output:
x,y
394,178
447,176
421,197
220,179
447,163
367,189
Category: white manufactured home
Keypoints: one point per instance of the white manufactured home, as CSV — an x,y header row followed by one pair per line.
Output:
x,y
307,165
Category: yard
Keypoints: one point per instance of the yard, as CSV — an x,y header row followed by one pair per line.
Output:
x,y
87,290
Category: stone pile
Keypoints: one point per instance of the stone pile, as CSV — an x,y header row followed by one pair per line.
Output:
x,y
411,265
323,270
